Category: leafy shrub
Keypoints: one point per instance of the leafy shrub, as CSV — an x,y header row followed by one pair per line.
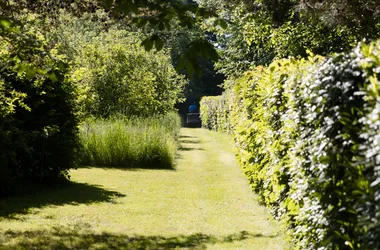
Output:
x,y
114,73
131,142
38,125
308,138
214,112
339,154
303,146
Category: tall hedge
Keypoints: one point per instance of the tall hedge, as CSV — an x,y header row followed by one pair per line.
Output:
x,y
38,125
215,112
308,137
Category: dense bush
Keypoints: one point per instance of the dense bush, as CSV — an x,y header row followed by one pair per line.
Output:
x,y
131,143
214,112
308,138
38,125
54,70
114,73
121,77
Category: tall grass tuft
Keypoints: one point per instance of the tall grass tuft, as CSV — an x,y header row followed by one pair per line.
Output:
x,y
131,142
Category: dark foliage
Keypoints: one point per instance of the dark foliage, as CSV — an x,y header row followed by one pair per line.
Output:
x,y
38,128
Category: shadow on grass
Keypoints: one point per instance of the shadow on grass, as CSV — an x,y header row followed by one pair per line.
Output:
x,y
77,238
184,139
189,141
182,148
71,193
137,168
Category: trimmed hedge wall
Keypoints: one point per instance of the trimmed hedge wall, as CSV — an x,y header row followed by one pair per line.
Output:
x,y
308,134
215,112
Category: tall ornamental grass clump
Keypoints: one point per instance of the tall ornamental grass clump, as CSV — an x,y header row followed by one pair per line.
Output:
x,y
308,135
131,142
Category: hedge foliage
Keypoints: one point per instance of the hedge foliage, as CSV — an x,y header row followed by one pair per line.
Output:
x,y
215,113
308,138
38,125
57,70
117,76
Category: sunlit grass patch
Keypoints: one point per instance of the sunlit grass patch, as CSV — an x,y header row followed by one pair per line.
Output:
x,y
205,203
131,143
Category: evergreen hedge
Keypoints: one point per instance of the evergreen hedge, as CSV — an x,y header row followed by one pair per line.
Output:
x,y
308,138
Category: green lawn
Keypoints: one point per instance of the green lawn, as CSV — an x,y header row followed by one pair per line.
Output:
x,y
205,203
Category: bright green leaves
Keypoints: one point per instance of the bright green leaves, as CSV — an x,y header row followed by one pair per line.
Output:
x,y
215,113
9,28
124,78
33,99
56,75
308,138
5,23
30,73
21,68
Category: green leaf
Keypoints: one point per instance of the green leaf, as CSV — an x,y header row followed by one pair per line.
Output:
x,y
140,22
223,23
21,68
56,76
53,77
5,23
159,44
148,44
42,71
30,73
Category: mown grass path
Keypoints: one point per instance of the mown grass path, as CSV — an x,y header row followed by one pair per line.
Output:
x,y
205,203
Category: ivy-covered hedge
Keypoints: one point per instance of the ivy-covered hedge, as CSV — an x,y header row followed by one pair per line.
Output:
x,y
308,134
215,112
